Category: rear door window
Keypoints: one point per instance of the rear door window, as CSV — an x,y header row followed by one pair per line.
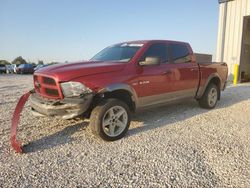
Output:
x,y
180,53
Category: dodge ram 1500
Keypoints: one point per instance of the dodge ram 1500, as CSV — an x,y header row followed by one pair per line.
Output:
x,y
123,78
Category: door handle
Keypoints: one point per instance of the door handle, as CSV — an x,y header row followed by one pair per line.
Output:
x,y
167,72
193,69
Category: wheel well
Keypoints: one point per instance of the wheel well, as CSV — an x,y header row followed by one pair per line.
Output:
x,y
217,82
122,95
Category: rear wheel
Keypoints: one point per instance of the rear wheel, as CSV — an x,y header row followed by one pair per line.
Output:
x,y
210,97
110,119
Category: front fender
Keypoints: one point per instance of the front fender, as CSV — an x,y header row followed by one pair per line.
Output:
x,y
121,86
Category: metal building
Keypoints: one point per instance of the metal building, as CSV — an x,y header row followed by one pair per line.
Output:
x,y
233,45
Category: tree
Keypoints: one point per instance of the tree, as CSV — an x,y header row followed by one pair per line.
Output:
x,y
4,62
19,60
40,62
53,63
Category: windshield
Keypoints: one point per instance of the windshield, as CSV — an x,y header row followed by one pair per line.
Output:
x,y
121,52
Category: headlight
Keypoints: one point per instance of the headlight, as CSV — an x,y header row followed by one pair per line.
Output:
x,y
74,89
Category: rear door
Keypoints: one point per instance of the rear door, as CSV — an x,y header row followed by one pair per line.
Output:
x,y
184,71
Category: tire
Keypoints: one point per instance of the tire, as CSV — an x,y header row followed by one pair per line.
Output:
x,y
210,97
115,114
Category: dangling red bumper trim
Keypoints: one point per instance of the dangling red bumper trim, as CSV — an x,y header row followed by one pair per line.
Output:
x,y
16,145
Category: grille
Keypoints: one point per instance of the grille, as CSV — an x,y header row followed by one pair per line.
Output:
x,y
52,92
50,81
46,87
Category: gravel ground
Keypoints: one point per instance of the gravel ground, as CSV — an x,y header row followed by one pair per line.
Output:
x,y
175,146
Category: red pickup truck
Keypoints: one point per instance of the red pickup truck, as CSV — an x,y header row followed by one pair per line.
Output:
x,y
123,78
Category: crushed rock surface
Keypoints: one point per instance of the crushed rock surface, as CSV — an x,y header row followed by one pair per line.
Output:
x,y
178,145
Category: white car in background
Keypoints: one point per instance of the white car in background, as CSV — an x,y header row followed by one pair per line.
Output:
x,y
11,69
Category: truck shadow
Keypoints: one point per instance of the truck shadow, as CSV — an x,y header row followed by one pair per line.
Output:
x,y
57,139
148,119
167,115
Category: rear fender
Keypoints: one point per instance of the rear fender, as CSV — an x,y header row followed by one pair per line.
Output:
x,y
202,90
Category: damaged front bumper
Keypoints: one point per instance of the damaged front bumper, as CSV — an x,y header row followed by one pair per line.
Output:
x,y
66,108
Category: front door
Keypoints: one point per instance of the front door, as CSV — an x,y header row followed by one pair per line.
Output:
x,y
154,81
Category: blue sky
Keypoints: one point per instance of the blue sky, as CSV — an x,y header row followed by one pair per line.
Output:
x,y
61,30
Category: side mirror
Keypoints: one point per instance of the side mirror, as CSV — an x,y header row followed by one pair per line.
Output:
x,y
150,61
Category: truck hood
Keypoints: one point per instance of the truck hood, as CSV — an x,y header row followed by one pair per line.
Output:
x,y
69,71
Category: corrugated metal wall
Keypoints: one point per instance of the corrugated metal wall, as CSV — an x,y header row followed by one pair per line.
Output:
x,y
236,10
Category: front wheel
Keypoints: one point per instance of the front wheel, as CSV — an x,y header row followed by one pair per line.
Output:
x,y
210,97
110,119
